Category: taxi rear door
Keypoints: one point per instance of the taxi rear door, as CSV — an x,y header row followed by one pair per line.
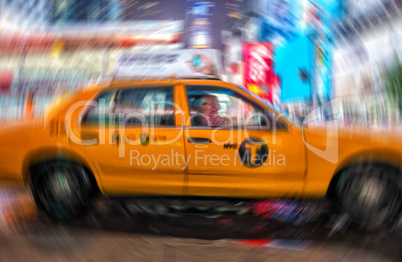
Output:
x,y
144,142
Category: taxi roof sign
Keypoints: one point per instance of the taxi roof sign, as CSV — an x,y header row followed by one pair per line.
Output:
x,y
186,63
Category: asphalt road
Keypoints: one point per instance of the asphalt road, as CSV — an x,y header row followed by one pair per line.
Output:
x,y
113,233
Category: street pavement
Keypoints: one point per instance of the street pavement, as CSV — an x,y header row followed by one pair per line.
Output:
x,y
110,233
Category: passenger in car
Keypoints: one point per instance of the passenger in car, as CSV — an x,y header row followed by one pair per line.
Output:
x,y
209,107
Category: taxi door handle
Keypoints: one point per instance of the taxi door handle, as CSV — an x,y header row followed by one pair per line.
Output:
x,y
199,140
116,138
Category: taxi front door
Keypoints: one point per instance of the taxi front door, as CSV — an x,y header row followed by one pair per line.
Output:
x,y
239,160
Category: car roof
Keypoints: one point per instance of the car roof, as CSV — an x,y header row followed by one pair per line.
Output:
x,y
133,83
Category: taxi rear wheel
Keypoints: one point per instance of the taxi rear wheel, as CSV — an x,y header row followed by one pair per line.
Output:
x,y
370,194
62,189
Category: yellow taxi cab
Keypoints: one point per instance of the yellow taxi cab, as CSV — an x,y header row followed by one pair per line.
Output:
x,y
196,137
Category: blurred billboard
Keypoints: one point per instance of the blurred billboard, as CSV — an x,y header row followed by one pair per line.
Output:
x,y
294,65
258,71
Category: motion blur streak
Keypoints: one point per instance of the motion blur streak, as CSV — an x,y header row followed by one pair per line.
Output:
x,y
315,70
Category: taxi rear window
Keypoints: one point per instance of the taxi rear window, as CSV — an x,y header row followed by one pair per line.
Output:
x,y
101,110
134,106
141,106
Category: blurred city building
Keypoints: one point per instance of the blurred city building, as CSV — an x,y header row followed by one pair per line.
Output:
x,y
297,55
367,44
74,43
321,50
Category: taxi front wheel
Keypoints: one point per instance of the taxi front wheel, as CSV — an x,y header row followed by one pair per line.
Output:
x,y
370,194
62,189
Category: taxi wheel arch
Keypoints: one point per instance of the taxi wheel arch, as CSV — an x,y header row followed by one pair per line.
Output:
x,y
80,175
359,172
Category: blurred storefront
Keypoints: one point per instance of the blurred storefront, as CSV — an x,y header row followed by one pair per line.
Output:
x,y
52,63
75,43
367,43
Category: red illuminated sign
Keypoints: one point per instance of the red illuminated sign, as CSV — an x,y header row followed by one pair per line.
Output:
x,y
258,73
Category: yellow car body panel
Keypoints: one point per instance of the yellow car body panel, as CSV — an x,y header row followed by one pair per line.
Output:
x,y
355,145
292,169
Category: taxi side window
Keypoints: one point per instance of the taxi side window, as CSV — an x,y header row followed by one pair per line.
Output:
x,y
101,111
140,106
220,107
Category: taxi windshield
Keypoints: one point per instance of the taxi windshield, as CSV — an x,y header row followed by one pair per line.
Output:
x,y
276,109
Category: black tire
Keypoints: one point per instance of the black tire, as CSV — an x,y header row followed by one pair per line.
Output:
x,y
62,189
370,194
